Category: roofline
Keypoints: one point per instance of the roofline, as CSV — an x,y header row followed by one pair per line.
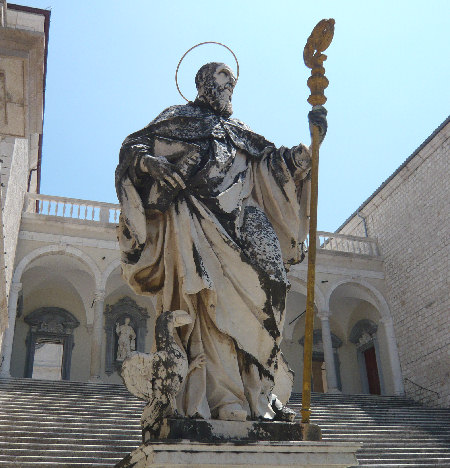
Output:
x,y
46,14
381,187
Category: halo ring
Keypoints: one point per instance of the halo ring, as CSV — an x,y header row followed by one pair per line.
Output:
x,y
192,48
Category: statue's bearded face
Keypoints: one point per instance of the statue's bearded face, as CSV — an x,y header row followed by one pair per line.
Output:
x,y
215,84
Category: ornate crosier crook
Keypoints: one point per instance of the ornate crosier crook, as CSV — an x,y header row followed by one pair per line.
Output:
x,y
318,41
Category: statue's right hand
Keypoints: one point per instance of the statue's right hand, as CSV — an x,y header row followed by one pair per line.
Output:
x,y
162,171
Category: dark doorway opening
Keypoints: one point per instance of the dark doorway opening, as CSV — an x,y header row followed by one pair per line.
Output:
x,y
373,378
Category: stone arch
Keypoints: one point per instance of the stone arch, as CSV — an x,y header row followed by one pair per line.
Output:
x,y
55,250
107,273
373,296
319,298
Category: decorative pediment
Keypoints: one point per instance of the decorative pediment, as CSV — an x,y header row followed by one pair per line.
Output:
x,y
52,320
363,332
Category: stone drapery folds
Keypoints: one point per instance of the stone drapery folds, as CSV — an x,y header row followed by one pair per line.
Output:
x,y
218,247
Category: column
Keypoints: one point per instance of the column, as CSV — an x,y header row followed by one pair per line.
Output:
x,y
393,356
97,336
8,335
328,353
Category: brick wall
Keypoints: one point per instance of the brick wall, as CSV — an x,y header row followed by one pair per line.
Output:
x,y
409,215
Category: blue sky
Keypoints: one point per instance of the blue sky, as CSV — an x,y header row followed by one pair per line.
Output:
x,y
111,69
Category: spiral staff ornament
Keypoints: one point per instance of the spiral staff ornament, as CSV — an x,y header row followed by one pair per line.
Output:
x,y
192,48
318,41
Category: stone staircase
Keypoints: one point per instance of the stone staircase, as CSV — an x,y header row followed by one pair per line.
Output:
x,y
74,424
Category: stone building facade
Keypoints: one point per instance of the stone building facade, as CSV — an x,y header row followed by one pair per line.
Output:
x,y
409,215
66,296
23,52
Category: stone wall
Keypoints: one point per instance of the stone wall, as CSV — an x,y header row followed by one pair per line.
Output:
x,y
13,196
409,215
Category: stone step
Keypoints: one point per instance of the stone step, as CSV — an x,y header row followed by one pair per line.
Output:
x,y
115,436
35,429
62,461
73,424
415,461
402,465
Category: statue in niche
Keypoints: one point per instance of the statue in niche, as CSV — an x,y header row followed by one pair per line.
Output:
x,y
213,215
126,343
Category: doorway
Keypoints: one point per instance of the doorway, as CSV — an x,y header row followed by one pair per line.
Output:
x,y
319,376
48,358
50,342
373,378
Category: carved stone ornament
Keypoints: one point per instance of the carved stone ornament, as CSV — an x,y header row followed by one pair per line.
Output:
x,y
51,324
362,334
126,328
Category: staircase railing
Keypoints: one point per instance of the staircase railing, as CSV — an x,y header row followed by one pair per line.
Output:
x,y
421,394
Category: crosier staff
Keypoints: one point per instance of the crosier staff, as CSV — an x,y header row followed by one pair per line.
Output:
x,y
318,41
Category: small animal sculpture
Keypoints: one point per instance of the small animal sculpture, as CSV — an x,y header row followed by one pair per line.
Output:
x,y
157,378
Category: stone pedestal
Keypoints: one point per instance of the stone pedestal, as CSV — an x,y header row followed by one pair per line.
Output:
x,y
181,454
215,430
214,443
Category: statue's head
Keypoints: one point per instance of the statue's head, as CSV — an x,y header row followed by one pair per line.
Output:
x,y
215,83
127,320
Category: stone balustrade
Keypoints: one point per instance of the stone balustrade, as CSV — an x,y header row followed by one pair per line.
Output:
x,y
85,210
347,244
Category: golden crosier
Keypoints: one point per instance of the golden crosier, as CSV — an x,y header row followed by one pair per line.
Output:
x,y
318,41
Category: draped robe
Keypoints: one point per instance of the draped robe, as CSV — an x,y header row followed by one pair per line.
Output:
x,y
219,249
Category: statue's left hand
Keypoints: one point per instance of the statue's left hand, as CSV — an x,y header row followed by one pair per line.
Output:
x,y
318,117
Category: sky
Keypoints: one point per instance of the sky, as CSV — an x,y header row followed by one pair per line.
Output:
x,y
111,67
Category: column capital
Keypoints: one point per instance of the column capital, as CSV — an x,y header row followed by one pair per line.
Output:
x,y
386,321
16,287
323,315
99,295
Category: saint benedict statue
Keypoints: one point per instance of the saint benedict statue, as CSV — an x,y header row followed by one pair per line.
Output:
x,y
213,215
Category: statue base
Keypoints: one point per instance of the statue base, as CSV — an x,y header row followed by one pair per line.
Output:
x,y
239,444
216,430
181,454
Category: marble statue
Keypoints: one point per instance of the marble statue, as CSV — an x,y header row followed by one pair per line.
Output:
x,y
213,215
127,340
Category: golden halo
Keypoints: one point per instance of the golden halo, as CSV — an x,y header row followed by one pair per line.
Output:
x,y
197,45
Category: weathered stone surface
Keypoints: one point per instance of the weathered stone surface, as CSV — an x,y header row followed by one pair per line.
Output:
x,y
213,215
242,455
214,430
